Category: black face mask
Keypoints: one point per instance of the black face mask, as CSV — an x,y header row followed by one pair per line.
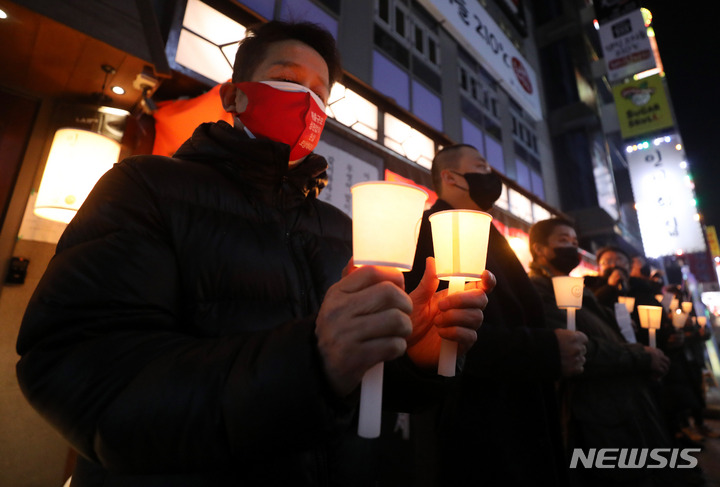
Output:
x,y
566,259
484,189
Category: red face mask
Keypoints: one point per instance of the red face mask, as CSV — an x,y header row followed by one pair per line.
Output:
x,y
284,112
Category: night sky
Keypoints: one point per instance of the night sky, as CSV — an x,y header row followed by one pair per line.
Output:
x,y
687,37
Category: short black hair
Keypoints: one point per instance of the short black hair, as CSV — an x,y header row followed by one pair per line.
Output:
x,y
253,48
540,232
612,248
444,160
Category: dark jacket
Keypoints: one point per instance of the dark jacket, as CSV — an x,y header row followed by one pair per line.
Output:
x,y
642,290
171,340
500,425
610,405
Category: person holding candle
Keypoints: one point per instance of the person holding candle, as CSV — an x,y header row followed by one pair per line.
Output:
x,y
675,393
615,279
202,324
499,426
695,336
610,405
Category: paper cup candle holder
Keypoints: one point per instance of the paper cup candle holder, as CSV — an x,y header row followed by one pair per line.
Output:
x,y
568,296
386,223
460,240
650,318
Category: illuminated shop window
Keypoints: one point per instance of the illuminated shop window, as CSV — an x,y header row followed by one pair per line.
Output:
x,y
540,213
354,111
502,201
208,42
520,205
408,142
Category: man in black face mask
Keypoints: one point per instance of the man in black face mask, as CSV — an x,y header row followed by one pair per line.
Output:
x,y
611,404
500,425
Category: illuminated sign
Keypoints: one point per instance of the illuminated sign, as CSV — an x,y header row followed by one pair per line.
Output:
x,y
476,30
664,198
626,47
642,107
712,240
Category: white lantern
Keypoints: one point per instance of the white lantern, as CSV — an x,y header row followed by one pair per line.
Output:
x,y
78,158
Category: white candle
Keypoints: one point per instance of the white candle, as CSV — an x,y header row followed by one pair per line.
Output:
x,y
650,317
448,348
460,239
386,220
568,296
371,402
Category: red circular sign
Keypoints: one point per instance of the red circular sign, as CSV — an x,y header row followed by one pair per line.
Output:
x,y
522,75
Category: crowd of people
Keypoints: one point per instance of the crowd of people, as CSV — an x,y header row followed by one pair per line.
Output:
x,y
202,323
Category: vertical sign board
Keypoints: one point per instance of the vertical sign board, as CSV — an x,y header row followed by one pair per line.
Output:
x,y
626,46
604,182
478,33
712,239
642,107
344,170
664,200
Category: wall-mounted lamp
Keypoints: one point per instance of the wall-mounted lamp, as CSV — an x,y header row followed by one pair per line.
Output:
x,y
79,155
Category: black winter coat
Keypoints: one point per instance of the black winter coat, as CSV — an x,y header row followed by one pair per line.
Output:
x,y
611,404
171,340
500,424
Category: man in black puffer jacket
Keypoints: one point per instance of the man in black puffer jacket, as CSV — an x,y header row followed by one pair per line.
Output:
x,y
198,324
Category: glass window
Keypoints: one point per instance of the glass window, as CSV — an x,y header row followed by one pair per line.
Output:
x,y
540,213
520,205
536,183
354,111
427,105
502,201
472,135
391,80
433,51
523,174
383,10
399,21
494,154
406,141
419,44
208,42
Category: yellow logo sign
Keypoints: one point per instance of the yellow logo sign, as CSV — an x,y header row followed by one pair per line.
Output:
x,y
642,107
712,239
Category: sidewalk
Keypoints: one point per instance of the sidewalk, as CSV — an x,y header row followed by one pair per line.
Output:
x,y
709,458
